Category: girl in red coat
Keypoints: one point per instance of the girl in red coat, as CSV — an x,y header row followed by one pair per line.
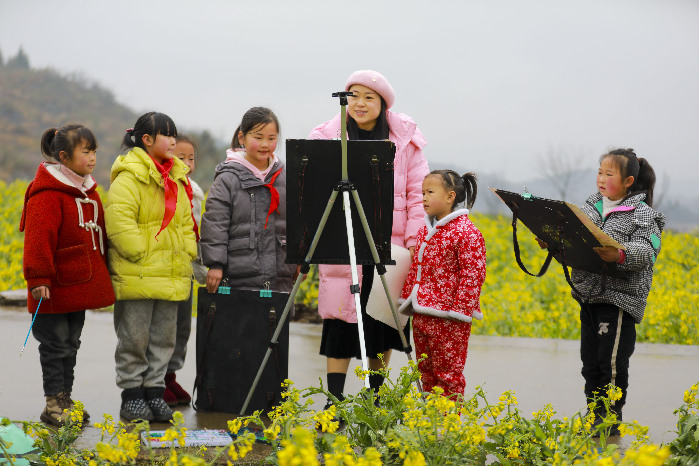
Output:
x,y
64,258
444,283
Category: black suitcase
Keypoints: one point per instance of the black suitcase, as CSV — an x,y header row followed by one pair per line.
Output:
x,y
233,333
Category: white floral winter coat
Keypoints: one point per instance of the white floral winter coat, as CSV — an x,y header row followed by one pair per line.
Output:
x,y
448,270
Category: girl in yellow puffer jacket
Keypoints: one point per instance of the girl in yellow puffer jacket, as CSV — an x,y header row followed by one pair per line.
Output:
x,y
152,239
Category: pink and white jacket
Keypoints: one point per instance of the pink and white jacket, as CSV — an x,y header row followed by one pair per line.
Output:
x,y
448,270
410,167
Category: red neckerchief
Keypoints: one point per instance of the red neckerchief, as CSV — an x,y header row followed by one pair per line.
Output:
x,y
274,203
190,195
170,192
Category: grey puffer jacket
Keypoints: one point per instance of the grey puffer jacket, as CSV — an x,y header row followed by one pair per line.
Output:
x,y
233,234
638,228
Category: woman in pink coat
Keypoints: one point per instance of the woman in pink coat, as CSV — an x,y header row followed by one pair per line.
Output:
x,y
368,117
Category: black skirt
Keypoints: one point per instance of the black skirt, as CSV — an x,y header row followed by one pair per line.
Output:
x,y
340,339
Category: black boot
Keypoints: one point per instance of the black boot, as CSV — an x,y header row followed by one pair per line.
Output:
x,y
134,406
156,403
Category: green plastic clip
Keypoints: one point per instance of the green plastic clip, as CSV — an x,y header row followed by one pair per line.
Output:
x,y
526,194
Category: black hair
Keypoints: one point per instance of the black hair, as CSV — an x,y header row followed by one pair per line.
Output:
x,y
188,140
630,164
66,139
380,131
256,116
151,123
464,186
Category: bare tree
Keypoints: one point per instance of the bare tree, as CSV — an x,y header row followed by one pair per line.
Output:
x,y
562,167
661,197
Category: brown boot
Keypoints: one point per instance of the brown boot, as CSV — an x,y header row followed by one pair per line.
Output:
x,y
71,405
55,413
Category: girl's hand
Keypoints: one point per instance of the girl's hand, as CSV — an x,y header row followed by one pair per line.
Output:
x,y
412,251
608,253
41,292
542,244
213,278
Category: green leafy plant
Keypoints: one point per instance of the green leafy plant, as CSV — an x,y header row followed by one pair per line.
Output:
x,y
685,448
405,427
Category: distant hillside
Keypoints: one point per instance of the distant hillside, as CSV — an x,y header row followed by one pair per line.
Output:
x,y
32,101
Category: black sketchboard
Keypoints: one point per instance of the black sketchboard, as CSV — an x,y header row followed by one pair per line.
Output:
x,y
314,169
234,330
565,228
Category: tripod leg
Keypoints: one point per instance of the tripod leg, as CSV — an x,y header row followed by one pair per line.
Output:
x,y
292,297
382,270
355,283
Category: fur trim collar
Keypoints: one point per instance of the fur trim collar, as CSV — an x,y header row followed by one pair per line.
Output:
x,y
433,228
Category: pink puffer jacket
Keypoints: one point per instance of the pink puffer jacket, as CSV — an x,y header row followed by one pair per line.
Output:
x,y
410,167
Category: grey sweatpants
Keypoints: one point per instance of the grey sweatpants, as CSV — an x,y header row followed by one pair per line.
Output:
x,y
145,330
184,329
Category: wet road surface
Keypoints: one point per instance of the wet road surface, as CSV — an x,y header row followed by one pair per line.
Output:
x,y
539,371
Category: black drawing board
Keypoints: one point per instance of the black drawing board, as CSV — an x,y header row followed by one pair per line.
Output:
x,y
314,169
564,227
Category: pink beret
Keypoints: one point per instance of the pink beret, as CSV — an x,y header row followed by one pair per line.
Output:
x,y
374,81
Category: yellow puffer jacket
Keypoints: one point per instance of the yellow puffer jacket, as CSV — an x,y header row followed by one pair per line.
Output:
x,y
141,266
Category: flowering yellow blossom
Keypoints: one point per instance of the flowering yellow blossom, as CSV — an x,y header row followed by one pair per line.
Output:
x,y
414,458
272,432
326,419
545,414
648,455
300,451
372,457
232,453
234,426
341,453
614,393
173,458
690,395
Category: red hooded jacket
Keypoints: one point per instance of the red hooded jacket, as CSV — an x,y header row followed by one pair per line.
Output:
x,y
65,245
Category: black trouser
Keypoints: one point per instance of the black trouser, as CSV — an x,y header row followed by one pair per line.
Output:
x,y
59,340
607,341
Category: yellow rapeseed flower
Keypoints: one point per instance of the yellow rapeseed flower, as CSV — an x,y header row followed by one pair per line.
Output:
x,y
614,393
372,457
414,458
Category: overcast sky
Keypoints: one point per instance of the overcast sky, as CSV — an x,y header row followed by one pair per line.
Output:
x,y
494,85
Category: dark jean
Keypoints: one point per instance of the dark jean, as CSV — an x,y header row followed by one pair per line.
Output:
x,y
59,340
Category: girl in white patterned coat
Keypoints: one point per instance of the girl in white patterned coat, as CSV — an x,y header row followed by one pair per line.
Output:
x,y
443,287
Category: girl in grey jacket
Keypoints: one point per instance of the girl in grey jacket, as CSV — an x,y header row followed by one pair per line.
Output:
x,y
609,311
243,229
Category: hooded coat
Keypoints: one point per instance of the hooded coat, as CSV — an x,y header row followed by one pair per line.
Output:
x,y
638,228
143,266
410,168
233,234
65,245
